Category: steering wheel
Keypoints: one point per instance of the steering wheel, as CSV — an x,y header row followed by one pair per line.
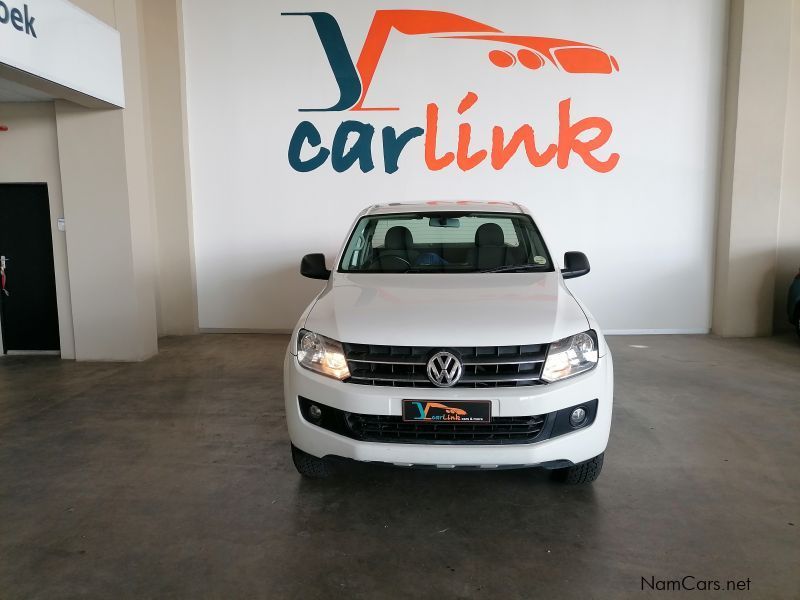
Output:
x,y
400,263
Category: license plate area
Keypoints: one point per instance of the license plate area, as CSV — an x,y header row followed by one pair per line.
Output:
x,y
456,411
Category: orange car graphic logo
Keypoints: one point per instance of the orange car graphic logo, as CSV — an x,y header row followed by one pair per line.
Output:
x,y
531,52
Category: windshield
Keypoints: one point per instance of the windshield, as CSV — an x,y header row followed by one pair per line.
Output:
x,y
445,242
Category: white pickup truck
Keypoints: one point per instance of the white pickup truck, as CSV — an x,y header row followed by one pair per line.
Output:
x,y
446,337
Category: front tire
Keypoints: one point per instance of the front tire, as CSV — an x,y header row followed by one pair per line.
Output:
x,y
582,473
310,466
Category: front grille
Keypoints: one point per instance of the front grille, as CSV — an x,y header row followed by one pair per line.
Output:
x,y
389,428
484,366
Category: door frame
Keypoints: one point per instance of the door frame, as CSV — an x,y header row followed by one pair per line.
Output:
x,y
63,297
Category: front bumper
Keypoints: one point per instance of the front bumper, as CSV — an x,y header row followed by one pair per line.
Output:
x,y
574,447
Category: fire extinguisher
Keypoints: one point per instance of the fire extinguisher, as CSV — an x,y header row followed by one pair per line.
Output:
x,y
3,290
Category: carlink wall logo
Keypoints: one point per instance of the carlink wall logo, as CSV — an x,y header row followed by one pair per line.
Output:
x,y
530,53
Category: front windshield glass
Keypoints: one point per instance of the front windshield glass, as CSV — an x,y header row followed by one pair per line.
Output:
x,y
445,242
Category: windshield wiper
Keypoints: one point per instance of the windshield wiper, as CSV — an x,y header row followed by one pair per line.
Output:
x,y
512,268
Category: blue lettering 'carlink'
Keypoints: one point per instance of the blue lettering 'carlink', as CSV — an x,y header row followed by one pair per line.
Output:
x,y
343,158
306,131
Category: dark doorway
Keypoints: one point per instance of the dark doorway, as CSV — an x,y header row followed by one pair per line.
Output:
x,y
28,309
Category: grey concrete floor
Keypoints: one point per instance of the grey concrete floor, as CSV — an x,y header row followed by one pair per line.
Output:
x,y
172,478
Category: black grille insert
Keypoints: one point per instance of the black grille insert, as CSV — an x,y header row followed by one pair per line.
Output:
x,y
389,428
484,366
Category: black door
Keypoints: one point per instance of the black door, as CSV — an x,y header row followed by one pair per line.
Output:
x,y
28,310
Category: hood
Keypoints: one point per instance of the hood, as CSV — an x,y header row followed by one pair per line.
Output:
x,y
492,309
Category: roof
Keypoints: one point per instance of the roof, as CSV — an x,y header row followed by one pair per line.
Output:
x,y
444,206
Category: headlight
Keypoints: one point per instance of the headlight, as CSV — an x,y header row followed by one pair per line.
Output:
x,y
570,356
321,354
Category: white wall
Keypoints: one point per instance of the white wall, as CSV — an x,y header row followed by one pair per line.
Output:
x,y
756,223
647,225
176,289
789,226
108,201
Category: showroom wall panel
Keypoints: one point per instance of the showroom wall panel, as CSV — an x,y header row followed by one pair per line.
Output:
x,y
625,164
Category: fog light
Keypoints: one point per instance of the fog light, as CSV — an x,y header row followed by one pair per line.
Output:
x,y
315,412
578,417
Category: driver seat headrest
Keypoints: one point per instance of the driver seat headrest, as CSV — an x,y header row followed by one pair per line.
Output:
x,y
489,234
398,238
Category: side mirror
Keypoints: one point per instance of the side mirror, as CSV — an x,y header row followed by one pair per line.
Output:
x,y
575,265
313,267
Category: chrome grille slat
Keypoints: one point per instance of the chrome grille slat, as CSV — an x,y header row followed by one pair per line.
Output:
x,y
385,360
499,361
483,366
389,377
497,377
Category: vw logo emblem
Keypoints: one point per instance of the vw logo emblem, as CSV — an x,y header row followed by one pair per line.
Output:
x,y
444,369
